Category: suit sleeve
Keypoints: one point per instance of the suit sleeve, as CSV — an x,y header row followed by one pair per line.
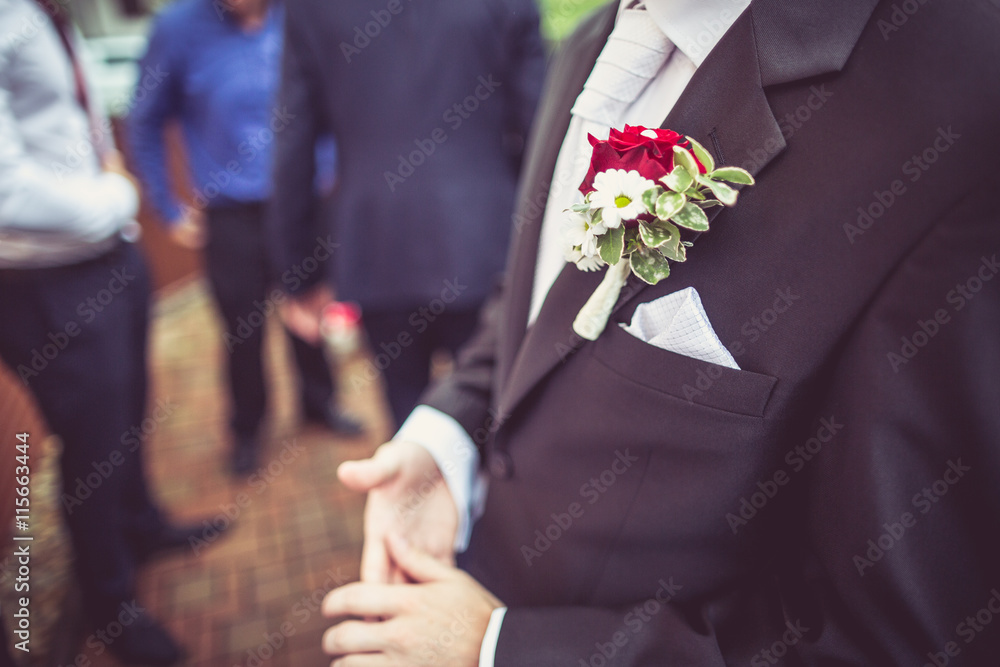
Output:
x,y
294,220
646,634
902,507
465,394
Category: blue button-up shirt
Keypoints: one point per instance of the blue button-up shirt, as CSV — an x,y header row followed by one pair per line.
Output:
x,y
220,80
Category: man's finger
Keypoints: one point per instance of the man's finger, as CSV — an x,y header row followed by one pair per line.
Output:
x,y
364,599
375,565
354,637
415,563
366,474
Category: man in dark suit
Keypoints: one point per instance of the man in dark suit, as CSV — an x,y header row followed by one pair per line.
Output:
x,y
429,104
829,498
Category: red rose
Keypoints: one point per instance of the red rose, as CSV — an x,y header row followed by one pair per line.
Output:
x,y
632,150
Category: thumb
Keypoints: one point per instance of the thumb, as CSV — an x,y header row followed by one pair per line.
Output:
x,y
366,474
417,564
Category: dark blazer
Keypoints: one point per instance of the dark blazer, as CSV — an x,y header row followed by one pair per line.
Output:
x,y
833,502
429,103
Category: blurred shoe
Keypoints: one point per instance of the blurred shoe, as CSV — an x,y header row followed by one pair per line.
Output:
x,y
245,451
335,420
143,641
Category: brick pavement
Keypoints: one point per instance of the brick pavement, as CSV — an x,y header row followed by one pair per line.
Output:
x,y
250,597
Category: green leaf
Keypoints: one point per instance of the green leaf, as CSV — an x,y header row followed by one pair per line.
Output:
x,y
649,265
725,193
679,179
611,244
668,204
686,160
696,193
703,155
709,203
632,241
656,233
674,249
580,208
733,175
650,196
692,217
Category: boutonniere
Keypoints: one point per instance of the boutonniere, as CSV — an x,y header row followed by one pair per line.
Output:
x,y
644,186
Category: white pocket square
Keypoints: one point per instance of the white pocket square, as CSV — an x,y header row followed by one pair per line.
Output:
x,y
678,323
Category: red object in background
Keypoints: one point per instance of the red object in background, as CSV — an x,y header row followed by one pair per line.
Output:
x,y
340,326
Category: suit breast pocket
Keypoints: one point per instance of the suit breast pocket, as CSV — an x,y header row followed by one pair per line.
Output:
x,y
691,380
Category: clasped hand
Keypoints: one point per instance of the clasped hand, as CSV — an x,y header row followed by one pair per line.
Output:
x,y
412,605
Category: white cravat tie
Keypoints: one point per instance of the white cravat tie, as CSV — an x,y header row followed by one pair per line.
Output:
x,y
634,54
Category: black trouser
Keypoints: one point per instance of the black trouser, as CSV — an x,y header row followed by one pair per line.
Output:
x,y
76,335
406,367
236,263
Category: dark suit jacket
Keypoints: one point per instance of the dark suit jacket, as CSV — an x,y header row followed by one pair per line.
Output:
x,y
834,501
429,103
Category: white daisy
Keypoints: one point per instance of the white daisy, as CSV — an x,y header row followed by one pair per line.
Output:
x,y
581,233
575,228
619,194
584,263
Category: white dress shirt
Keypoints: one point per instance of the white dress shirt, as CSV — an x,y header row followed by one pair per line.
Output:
x,y
695,27
57,206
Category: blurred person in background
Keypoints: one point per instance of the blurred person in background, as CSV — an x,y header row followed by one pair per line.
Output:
x,y
74,296
430,104
222,63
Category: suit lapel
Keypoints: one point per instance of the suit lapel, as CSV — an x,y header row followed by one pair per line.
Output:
x,y
725,108
565,81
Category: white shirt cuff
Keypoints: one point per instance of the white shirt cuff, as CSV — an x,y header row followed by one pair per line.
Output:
x,y
457,458
488,651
